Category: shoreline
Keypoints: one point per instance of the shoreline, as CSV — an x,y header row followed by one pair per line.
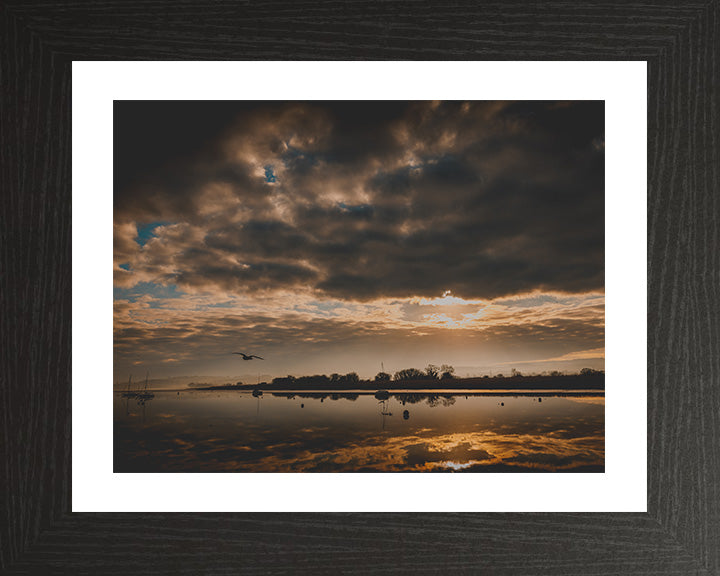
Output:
x,y
594,382
398,391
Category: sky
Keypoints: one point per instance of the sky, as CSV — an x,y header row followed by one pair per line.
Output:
x,y
351,236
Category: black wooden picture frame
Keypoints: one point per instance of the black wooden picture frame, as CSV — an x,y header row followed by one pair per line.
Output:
x,y
680,533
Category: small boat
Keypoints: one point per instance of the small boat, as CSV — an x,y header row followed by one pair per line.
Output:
x,y
144,395
129,394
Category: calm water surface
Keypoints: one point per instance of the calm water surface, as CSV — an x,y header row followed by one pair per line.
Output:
x,y
231,431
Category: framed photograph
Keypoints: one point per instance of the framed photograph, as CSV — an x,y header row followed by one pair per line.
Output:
x,y
376,253
431,302
362,285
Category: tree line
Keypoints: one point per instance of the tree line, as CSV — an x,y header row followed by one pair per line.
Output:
x,y
431,372
443,375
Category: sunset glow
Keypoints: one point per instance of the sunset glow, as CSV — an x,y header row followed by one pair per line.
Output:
x,y
345,236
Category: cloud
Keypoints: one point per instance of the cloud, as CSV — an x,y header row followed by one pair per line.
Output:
x,y
173,445
487,199
298,333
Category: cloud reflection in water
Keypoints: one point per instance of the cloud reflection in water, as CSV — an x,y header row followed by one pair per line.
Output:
x,y
234,432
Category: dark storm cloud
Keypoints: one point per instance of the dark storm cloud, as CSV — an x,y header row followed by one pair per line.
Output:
x,y
235,278
367,200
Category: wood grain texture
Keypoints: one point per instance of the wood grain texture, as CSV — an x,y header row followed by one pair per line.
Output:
x,y
681,532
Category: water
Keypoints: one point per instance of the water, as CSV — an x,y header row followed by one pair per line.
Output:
x,y
231,431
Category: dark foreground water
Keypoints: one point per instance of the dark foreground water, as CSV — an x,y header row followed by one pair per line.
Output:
x,y
230,431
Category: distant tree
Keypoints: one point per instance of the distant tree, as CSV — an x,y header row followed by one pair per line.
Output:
x,y
352,378
382,377
287,381
334,378
499,376
448,372
516,373
409,374
589,372
555,373
432,371
316,380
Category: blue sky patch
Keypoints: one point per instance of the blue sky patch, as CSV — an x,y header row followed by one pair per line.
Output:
x,y
269,174
357,209
227,304
146,289
147,231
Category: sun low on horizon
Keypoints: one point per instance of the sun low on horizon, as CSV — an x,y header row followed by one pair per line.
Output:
x,y
336,237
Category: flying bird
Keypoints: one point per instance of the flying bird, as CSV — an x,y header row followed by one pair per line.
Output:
x,y
248,357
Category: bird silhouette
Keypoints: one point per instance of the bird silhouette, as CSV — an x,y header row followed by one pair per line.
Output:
x,y
248,356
